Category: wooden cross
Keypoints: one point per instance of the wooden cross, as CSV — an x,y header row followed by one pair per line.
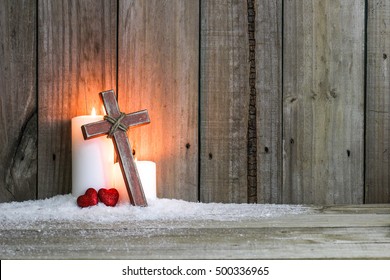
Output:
x,y
121,142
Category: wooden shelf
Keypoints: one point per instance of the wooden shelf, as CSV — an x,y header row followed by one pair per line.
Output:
x,y
334,232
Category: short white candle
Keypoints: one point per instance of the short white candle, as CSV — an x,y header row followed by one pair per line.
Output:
x,y
92,159
147,174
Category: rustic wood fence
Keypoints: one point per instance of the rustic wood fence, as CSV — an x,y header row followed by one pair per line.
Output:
x,y
265,101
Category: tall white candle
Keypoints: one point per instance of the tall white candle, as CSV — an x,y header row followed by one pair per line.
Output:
x,y
147,174
92,159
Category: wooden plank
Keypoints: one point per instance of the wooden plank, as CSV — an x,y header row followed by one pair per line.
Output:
x,y
323,104
77,60
193,243
224,102
356,209
269,100
378,103
158,71
18,106
319,234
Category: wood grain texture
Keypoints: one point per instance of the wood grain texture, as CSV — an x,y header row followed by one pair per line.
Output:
x,y
378,103
18,117
224,102
269,100
320,116
77,60
323,102
158,71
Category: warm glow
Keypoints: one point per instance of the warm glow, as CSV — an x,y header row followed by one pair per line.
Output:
x,y
104,110
93,112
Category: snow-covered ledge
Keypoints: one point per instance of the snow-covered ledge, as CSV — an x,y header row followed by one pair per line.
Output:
x,y
57,228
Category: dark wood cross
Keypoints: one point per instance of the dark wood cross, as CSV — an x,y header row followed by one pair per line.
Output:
x,y
115,125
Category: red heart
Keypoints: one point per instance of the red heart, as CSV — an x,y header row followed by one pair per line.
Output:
x,y
108,197
90,198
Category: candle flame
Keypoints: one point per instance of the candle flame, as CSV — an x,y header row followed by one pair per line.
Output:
x,y
93,112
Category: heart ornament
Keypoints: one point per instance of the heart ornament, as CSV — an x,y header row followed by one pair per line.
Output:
x,y
108,196
90,198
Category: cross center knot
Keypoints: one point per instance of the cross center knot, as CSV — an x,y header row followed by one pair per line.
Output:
x,y
116,124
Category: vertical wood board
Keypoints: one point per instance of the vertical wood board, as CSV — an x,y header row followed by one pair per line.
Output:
x,y
378,103
158,71
77,60
224,101
269,100
323,105
18,118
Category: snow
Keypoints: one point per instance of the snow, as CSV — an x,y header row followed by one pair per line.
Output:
x,y
63,209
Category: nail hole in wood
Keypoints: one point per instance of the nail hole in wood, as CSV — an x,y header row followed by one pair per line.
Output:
x,y
188,145
348,153
291,141
266,149
210,156
133,152
333,93
54,156
384,56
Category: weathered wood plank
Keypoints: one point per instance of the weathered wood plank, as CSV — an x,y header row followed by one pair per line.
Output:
x,y
334,232
356,209
224,101
213,243
378,103
18,106
323,102
158,71
269,100
77,60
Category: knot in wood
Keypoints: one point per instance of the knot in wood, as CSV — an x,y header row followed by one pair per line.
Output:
x,y
116,123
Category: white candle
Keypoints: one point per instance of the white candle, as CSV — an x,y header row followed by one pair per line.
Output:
x,y
92,159
147,174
